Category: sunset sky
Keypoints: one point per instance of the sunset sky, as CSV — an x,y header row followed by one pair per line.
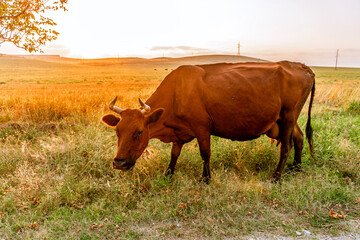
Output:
x,y
309,31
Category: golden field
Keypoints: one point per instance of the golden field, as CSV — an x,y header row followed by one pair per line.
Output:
x,y
42,90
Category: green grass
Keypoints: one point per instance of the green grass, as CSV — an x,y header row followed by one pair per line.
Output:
x,y
354,107
337,76
69,172
57,182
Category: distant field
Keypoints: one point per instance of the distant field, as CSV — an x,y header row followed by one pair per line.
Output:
x,y
45,89
56,179
42,91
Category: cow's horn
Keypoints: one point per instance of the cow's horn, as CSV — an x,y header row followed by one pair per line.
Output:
x,y
113,107
146,108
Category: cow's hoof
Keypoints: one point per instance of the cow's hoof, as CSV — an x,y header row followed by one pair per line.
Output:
x,y
168,173
276,177
295,168
204,180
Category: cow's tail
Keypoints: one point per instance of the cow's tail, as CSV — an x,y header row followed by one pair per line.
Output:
x,y
309,130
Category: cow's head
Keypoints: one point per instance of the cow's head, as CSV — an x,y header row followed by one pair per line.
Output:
x,y
132,130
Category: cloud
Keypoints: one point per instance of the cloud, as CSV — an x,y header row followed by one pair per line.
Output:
x,y
54,48
180,49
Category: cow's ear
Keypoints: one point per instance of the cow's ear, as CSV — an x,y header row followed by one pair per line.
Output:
x,y
110,120
155,115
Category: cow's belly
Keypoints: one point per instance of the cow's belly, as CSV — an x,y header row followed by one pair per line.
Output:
x,y
244,122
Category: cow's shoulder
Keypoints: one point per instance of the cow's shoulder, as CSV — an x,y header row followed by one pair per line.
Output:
x,y
189,71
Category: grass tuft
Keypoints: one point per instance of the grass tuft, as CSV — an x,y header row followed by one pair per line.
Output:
x,y
354,107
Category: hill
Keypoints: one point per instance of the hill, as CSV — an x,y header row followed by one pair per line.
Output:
x,y
208,59
199,59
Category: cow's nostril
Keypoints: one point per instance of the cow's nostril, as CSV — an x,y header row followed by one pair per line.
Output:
x,y
119,160
123,163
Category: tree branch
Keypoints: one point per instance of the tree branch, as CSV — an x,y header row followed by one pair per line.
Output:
x,y
17,15
24,24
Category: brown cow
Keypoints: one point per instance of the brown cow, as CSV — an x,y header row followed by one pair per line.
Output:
x,y
238,101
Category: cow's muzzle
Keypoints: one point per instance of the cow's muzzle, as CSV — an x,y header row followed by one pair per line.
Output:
x,y
122,164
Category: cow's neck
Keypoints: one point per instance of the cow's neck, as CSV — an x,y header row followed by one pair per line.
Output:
x,y
158,129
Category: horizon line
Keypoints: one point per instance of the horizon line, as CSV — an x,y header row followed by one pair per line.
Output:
x,y
161,57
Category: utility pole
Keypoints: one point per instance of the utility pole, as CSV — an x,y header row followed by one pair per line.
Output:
x,y
239,48
337,56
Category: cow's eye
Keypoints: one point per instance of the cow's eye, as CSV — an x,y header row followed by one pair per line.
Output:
x,y
139,133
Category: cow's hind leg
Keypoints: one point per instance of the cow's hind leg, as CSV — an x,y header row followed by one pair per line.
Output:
x,y
175,152
287,125
205,152
298,138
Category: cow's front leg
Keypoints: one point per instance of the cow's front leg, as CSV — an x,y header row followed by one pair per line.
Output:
x,y
175,152
204,145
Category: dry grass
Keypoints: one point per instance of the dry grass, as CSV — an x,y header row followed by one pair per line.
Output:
x,y
337,87
39,91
